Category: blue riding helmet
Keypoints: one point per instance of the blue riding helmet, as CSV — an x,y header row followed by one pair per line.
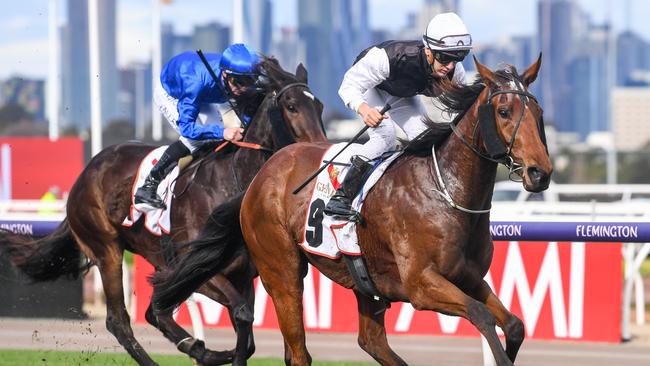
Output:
x,y
239,59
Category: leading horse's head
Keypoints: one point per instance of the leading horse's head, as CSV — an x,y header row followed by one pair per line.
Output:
x,y
294,112
512,126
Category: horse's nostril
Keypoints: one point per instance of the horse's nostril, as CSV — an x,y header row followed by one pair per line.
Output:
x,y
534,174
537,176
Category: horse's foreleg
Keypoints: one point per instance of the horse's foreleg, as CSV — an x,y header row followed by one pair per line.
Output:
x,y
512,327
430,291
282,278
117,318
372,331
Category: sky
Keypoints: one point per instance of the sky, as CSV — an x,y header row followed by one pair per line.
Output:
x,y
24,24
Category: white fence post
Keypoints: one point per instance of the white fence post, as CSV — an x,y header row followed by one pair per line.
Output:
x,y
195,316
633,261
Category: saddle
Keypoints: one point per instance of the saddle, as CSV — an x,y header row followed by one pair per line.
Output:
x,y
158,221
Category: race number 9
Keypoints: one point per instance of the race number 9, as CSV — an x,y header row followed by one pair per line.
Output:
x,y
314,231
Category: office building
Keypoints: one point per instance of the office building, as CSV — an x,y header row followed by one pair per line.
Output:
x,y
561,27
632,56
75,67
630,111
27,93
333,33
252,24
211,37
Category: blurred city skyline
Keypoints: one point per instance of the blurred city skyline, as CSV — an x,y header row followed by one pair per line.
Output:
x,y
23,27
595,80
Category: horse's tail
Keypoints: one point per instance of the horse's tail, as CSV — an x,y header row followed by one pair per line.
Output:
x,y
44,259
200,259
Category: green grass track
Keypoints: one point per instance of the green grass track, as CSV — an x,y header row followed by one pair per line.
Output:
x,y
58,358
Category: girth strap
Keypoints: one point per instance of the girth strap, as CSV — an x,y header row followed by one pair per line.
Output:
x,y
363,282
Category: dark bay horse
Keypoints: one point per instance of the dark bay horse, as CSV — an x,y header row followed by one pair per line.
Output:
x,y
426,237
100,200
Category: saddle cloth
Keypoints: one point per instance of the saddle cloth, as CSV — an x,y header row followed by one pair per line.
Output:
x,y
325,235
156,220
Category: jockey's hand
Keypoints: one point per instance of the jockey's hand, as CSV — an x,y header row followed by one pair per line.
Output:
x,y
233,133
371,116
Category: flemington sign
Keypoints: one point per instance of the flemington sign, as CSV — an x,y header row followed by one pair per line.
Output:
x,y
572,231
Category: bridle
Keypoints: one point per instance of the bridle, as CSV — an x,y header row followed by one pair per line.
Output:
x,y
279,127
279,93
277,117
273,111
497,151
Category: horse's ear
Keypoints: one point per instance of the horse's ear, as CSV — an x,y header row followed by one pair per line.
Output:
x,y
301,73
531,73
486,74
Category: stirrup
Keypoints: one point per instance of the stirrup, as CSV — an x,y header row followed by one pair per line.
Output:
x,y
344,214
153,202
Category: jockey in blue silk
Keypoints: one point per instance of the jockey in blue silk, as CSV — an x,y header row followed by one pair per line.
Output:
x,y
188,97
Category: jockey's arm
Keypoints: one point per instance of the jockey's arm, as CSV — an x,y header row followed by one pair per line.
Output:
x,y
370,71
188,110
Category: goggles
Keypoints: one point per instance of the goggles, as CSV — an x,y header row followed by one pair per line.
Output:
x,y
445,57
241,80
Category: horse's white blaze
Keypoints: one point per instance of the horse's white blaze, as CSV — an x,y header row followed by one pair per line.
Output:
x,y
309,95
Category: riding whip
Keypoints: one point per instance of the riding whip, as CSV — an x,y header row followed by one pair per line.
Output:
x,y
355,138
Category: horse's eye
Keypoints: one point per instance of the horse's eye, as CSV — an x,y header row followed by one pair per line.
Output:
x,y
503,113
292,108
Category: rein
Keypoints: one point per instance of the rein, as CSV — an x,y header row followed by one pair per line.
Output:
x,y
244,144
274,103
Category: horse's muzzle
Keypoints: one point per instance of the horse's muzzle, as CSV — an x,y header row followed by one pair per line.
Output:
x,y
538,180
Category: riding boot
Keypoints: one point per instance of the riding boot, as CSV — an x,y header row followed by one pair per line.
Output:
x,y
147,193
341,202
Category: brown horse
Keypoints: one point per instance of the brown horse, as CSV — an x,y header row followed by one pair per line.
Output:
x,y
419,249
100,200
425,236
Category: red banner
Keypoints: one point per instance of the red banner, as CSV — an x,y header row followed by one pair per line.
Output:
x,y
569,291
30,166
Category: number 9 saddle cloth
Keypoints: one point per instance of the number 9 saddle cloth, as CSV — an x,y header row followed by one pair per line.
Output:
x,y
329,236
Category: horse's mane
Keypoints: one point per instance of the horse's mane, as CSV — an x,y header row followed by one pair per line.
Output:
x,y
455,99
273,76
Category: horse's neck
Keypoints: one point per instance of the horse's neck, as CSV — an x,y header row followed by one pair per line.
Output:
x,y
249,161
468,177
260,130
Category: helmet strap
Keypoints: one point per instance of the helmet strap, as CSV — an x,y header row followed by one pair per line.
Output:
x,y
431,60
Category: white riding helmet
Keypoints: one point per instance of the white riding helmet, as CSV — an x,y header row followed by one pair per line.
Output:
x,y
447,32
